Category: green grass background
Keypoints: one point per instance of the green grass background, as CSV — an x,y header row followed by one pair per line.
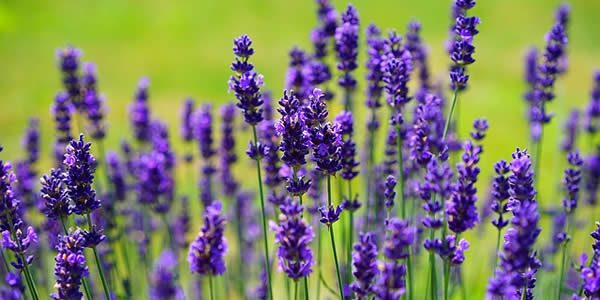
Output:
x,y
185,49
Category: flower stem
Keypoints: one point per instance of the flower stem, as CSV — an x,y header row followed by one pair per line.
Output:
x,y
331,235
264,218
410,275
210,287
432,269
449,118
98,263
350,239
497,247
319,258
306,295
400,185
563,262
295,289
446,278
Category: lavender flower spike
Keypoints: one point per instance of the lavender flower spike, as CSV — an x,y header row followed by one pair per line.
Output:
x,y
246,82
592,113
206,252
163,279
80,166
462,48
364,261
55,195
70,266
68,58
139,112
346,47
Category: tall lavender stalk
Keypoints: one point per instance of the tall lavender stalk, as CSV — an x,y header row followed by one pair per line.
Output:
x,y
461,52
346,47
245,84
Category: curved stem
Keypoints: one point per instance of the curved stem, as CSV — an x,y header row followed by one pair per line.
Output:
x,y
350,239
306,295
264,218
331,235
449,118
99,264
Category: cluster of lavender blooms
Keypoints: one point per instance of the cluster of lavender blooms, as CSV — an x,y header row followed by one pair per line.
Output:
x,y
127,209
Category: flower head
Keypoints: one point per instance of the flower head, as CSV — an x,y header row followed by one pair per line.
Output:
x,y
80,166
364,261
139,112
207,251
246,83
55,196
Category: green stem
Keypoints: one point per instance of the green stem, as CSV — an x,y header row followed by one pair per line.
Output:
x,y
449,118
446,278
432,269
210,287
563,262
350,239
319,258
295,289
98,263
264,219
409,272
306,295
331,235
497,248
400,185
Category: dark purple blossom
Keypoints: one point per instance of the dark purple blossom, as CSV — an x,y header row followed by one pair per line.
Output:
x,y
93,103
181,225
14,290
346,48
80,167
62,111
500,194
592,177
592,112
70,266
55,196
295,78
391,284
520,182
518,264
364,261
326,143
480,126
418,53
246,83
330,214
399,238
203,133
163,279
116,174
349,163
207,251
374,74
396,69
572,181
227,156
461,208
68,60
293,235
139,112
390,192
571,129
461,45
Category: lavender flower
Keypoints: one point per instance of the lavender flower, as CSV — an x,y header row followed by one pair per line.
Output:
x,y
80,166
571,128
500,193
349,162
69,65
592,113
295,78
418,53
95,112
592,177
400,236
246,83
15,289
391,284
203,134
116,174
330,215
62,111
25,169
31,141
139,112
181,225
326,142
227,155
461,208
295,143
571,181
70,266
396,68
346,47
462,48
518,263
294,236
55,195
374,74
364,260
153,181
163,278
390,193
520,182
206,252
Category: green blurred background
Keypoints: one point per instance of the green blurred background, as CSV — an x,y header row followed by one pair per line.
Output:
x,y
184,47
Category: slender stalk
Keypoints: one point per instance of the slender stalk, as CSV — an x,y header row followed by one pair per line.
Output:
x,y
350,239
306,295
98,263
295,289
446,278
241,266
432,270
410,274
331,235
30,282
400,185
497,247
210,287
264,218
319,258
449,118
563,262
4,261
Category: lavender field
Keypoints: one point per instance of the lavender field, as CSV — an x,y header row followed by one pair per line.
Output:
x,y
307,150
